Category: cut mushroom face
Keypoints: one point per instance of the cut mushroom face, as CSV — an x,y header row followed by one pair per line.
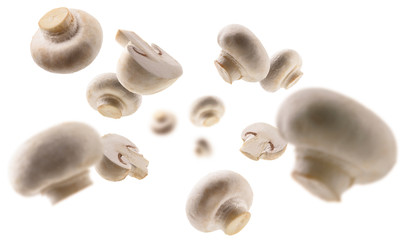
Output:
x,y
203,148
220,200
142,68
207,111
262,141
106,95
285,71
121,158
163,122
55,162
68,40
338,142
243,56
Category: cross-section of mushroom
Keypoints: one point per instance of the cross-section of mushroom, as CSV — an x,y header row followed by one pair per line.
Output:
x,y
121,158
262,141
142,68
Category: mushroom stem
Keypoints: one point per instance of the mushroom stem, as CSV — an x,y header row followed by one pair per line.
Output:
x,y
110,106
318,173
233,216
292,78
228,67
253,149
68,187
58,24
209,118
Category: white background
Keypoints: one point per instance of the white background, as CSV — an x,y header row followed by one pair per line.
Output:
x,y
357,48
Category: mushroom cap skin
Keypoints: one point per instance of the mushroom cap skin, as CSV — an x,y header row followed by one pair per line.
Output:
x,y
207,111
285,71
144,69
121,158
220,200
106,95
262,141
243,55
68,40
163,122
338,142
55,162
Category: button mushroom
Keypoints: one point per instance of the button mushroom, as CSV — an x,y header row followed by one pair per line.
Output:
x,y
68,40
285,71
207,111
110,98
203,148
220,200
261,140
338,142
142,68
243,56
55,162
121,158
163,122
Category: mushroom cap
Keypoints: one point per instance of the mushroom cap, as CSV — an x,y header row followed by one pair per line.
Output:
x,y
107,85
207,111
211,192
121,158
319,120
247,51
262,140
75,52
142,68
284,71
54,156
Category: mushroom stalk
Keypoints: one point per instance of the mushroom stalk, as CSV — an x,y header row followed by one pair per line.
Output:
x,y
228,68
58,24
232,216
64,189
318,173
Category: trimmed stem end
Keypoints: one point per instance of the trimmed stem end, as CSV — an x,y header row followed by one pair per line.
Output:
x,y
292,79
110,106
56,21
228,68
233,217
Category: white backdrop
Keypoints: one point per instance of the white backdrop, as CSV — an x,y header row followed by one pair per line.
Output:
x,y
357,48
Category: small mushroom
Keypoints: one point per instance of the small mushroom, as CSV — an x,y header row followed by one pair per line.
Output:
x,y
207,111
110,98
220,200
261,140
121,158
68,40
338,142
285,71
203,148
243,56
55,162
142,68
163,122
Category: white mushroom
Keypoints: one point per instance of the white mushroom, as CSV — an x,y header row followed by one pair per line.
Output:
x,y
285,71
243,56
261,140
121,158
338,142
142,68
110,98
207,111
203,148
55,162
68,40
220,200
163,122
